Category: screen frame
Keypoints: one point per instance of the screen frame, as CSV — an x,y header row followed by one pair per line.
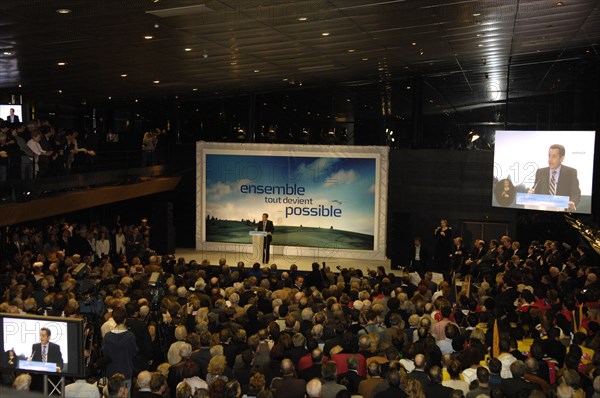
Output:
x,y
75,352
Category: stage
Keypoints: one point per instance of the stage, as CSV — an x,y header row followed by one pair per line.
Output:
x,y
283,262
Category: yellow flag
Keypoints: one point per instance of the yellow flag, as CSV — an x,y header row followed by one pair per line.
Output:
x,y
496,341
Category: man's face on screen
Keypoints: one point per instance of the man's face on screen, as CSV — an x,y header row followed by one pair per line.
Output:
x,y
44,338
554,158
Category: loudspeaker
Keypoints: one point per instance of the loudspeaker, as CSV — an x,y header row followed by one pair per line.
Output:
x,y
398,238
162,235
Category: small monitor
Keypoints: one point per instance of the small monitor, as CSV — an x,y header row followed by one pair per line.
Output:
x,y
5,112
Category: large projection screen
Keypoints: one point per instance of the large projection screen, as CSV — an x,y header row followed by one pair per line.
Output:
x,y
324,201
525,163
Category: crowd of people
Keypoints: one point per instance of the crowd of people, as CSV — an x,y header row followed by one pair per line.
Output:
x,y
38,149
175,328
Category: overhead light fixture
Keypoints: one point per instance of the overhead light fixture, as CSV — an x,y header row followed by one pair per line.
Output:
x,y
109,97
8,53
61,63
156,81
325,34
559,3
123,74
480,45
473,136
64,11
365,59
194,89
302,19
20,86
148,37
476,14
59,91
256,70
414,43
188,49
351,50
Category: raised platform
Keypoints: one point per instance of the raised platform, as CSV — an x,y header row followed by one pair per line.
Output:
x,y
283,262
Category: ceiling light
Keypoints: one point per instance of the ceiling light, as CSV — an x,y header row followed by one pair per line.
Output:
x,y
421,52
194,89
559,3
302,19
136,100
148,37
285,79
109,97
8,53
351,51
156,81
414,43
64,11
408,87
325,34
476,14
20,86
256,70
480,45
233,63
123,74
365,59
62,63
59,91
188,49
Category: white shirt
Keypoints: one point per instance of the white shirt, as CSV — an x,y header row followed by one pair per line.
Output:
x,y
35,147
108,326
418,253
81,389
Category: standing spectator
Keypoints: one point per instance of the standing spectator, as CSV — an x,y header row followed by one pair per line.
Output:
x,y
102,246
148,146
120,346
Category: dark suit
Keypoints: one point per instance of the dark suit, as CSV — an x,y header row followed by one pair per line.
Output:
x,y
266,227
14,120
516,387
419,265
568,183
53,355
351,380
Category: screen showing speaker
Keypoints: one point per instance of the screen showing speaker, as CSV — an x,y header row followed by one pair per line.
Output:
x,y
544,170
7,115
47,345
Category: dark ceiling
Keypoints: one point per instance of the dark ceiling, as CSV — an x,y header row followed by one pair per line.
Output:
x,y
480,48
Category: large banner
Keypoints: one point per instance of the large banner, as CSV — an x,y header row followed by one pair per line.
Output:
x,y
324,201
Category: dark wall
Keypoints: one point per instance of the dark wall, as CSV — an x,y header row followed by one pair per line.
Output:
x,y
427,185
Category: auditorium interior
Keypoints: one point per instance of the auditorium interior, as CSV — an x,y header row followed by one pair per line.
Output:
x,y
431,80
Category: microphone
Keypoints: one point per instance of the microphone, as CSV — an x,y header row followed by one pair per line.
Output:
x,y
535,184
31,357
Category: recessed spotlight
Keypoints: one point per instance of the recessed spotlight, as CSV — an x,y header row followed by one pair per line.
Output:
x,y
194,89
256,70
8,53
285,79
233,63
408,87
61,63
421,52
64,11
59,91
109,97
188,49
414,43
302,19
476,14
123,74
351,50
325,34
365,59
136,100
480,45
20,86
559,3
148,37
156,81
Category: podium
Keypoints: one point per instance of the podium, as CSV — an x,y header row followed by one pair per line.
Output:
x,y
38,366
258,242
542,202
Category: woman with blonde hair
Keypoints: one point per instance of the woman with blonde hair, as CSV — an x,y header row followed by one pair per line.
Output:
x,y
414,389
216,369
